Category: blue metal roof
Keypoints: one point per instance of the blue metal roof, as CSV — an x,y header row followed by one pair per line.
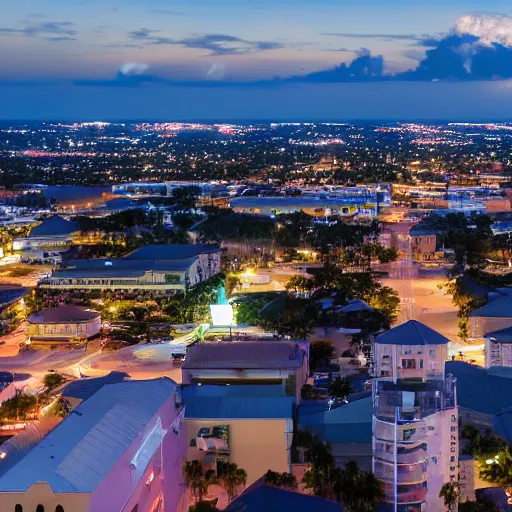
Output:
x,y
350,423
484,390
85,388
210,401
497,307
500,336
412,333
10,295
260,497
80,451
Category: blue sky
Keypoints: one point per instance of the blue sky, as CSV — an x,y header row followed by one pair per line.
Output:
x,y
255,58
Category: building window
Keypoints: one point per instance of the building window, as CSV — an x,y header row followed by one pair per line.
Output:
x,y
39,508
409,364
59,508
18,508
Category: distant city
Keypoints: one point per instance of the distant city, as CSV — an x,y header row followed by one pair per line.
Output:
x,y
202,317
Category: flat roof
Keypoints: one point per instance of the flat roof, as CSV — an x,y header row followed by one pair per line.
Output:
x,y
80,451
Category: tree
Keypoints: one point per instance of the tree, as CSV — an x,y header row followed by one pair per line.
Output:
x,y
340,388
357,490
498,469
194,479
320,353
204,506
481,446
300,284
282,480
450,494
230,477
479,505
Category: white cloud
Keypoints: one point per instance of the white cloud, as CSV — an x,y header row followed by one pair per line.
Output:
x,y
216,70
133,68
490,28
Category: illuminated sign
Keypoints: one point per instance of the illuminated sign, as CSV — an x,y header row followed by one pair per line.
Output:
x,y
222,314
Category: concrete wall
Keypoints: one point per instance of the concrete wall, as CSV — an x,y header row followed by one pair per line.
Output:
x,y
479,326
255,445
41,494
137,479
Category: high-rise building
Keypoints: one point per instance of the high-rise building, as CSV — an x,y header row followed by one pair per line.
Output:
x,y
415,420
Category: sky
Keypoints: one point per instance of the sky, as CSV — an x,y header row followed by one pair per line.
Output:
x,y
256,59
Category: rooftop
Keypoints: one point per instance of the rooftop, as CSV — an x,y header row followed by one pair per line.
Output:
x,y
350,423
210,401
86,387
241,355
63,314
259,497
80,451
412,332
54,226
171,252
484,390
499,306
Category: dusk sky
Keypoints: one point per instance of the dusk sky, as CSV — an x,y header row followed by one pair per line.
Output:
x,y
250,59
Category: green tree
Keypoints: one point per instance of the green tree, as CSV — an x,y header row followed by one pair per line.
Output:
x,y
282,480
204,506
340,388
300,284
498,469
194,479
230,477
357,490
320,353
450,494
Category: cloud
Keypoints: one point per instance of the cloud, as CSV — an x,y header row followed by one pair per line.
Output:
x,y
489,28
478,47
133,68
400,37
214,44
46,28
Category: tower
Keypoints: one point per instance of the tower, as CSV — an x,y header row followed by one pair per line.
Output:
x,y
415,420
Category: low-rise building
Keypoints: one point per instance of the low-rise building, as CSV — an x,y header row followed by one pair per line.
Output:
x,y
63,323
152,267
264,362
120,450
250,425
358,203
47,240
347,429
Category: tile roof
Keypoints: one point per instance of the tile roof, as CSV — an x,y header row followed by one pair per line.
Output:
x,y
78,453
240,355
412,332
210,401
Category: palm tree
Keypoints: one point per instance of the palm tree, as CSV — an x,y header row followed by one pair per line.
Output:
x,y
450,493
281,480
230,477
498,469
194,479
357,490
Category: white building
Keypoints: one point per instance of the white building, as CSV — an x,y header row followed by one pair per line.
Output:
x,y
152,267
63,324
415,420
